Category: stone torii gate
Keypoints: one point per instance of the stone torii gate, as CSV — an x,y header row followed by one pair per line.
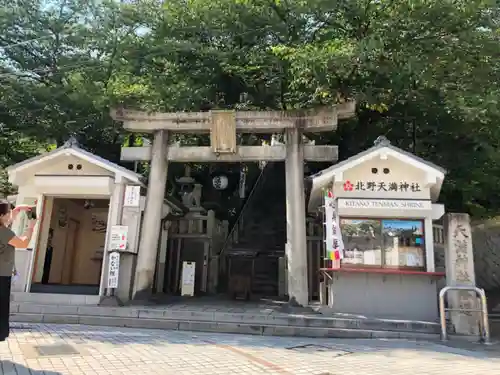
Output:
x,y
223,127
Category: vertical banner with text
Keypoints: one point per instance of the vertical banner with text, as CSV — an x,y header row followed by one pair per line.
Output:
x,y
113,270
333,237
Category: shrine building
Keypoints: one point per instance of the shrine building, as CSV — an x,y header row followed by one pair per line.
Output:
x,y
386,207
105,234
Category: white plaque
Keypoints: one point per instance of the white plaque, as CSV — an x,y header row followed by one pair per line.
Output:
x,y
132,196
388,204
188,278
412,260
113,270
118,237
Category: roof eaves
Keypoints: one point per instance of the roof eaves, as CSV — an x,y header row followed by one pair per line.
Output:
x,y
372,150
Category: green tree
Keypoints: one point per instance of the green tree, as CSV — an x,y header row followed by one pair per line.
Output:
x,y
424,73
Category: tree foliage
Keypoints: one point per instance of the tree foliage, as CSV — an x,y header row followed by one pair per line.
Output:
x,y
424,73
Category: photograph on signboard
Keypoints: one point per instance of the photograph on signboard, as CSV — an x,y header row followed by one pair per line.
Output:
x,y
403,243
388,243
362,241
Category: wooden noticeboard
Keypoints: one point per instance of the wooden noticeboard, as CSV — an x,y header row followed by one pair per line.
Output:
x,y
223,132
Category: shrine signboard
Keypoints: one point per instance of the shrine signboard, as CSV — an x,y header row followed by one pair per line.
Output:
x,y
381,186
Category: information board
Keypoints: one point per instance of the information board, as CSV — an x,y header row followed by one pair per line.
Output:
x,y
118,237
188,278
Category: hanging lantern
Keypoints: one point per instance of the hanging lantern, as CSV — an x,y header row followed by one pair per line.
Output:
x,y
220,182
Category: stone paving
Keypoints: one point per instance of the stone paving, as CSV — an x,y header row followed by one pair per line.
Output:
x,y
85,350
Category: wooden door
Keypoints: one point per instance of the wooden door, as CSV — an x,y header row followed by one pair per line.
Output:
x,y
70,251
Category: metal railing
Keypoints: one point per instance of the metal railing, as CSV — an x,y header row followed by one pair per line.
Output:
x,y
485,326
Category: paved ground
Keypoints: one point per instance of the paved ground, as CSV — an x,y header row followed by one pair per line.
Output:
x,y
83,350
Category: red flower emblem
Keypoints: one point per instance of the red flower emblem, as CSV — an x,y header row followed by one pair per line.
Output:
x,y
330,194
348,186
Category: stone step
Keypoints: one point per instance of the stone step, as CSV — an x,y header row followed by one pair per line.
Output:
x,y
246,248
54,298
226,327
258,236
263,278
249,243
311,325
266,291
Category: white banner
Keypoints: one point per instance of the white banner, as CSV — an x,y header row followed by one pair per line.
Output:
x,y
330,218
113,270
333,237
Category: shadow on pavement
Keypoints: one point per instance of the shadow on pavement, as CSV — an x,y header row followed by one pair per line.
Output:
x,y
11,368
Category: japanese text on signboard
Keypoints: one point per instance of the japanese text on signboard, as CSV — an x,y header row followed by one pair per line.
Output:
x,y
402,186
113,269
132,196
118,237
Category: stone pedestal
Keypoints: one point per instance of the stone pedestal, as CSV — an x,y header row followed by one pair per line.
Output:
x,y
131,218
460,272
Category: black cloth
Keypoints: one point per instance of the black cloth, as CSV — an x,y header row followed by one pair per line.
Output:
x,y
5,282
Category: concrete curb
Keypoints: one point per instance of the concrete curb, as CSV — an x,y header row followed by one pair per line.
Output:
x,y
265,320
220,327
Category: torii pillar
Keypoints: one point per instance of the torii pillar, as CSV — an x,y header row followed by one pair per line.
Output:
x,y
296,235
223,126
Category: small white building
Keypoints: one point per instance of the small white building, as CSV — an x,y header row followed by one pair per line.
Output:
x,y
79,197
386,206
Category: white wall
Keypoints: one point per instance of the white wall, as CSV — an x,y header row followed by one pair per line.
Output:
x,y
398,172
386,296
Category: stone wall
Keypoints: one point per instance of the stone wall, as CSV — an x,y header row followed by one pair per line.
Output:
x,y
486,242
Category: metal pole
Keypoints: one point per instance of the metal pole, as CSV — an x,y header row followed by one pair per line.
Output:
x,y
485,329
442,313
486,325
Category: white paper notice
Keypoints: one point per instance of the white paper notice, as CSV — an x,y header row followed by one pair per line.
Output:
x,y
188,278
369,257
118,237
412,260
132,196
